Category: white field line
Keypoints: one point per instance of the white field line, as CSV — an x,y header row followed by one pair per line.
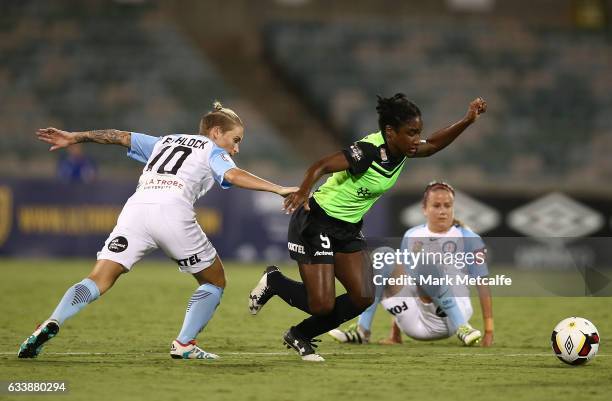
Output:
x,y
291,353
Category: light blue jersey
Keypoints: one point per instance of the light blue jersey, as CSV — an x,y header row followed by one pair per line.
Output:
x,y
141,146
457,240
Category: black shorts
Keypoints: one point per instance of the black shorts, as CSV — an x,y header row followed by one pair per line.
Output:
x,y
314,237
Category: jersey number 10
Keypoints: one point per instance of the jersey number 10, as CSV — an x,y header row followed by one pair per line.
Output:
x,y
183,150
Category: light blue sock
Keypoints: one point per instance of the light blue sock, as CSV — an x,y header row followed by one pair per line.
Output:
x,y
442,296
200,309
447,302
366,317
76,298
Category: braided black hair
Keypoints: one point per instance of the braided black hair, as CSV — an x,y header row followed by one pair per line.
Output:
x,y
395,111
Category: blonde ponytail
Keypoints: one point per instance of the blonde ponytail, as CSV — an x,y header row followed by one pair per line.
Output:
x,y
219,117
217,106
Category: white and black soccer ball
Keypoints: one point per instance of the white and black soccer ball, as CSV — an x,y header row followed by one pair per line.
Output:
x,y
575,340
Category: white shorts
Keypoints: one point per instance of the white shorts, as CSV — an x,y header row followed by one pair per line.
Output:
x,y
143,227
418,320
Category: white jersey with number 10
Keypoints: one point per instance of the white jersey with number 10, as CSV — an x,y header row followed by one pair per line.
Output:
x,y
177,167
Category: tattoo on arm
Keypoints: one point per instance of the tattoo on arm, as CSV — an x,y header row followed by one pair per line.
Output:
x,y
105,136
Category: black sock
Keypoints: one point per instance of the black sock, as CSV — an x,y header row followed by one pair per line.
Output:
x,y
344,310
292,292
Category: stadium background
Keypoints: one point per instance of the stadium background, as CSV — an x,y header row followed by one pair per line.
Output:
x,y
304,75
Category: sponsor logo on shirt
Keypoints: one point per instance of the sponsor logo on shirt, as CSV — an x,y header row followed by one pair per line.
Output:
x,y
383,154
324,253
225,157
152,181
356,153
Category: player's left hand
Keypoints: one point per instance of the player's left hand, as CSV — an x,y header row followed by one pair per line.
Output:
x,y
295,200
487,340
477,107
56,137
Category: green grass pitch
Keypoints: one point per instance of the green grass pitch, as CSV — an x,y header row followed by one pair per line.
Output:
x,y
117,348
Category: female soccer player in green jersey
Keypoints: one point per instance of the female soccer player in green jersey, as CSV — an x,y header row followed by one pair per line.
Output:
x,y
325,229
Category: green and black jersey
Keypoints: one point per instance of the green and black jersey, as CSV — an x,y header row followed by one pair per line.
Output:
x,y
348,195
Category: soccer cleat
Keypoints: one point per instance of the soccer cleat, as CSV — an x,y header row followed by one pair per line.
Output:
x,y
352,335
304,347
468,335
189,351
32,346
262,292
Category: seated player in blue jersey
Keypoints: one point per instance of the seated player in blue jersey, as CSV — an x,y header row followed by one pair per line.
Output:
x,y
179,169
431,310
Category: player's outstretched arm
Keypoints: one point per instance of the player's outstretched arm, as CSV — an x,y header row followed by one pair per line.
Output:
x,y
329,164
244,179
444,137
59,139
486,304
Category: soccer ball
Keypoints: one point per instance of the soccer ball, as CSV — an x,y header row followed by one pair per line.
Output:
x,y
575,340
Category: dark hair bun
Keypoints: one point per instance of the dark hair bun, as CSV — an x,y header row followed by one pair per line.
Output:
x,y
395,111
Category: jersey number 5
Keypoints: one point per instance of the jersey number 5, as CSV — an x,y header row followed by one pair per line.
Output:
x,y
183,150
325,241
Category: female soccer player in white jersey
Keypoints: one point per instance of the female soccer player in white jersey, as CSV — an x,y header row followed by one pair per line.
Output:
x,y
179,169
432,312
